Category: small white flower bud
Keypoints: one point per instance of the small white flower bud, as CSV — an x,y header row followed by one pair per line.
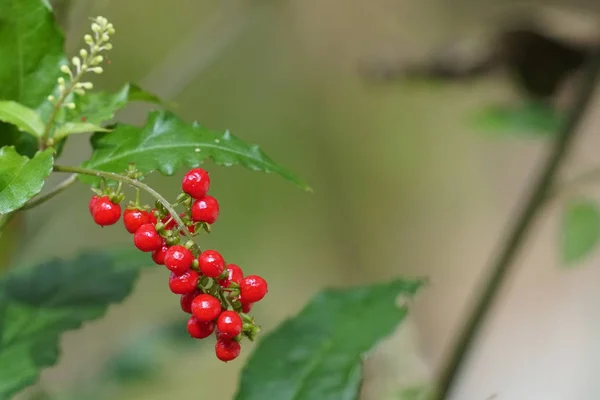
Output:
x,y
107,46
51,98
110,30
65,69
87,85
105,37
83,53
76,62
97,60
70,106
61,81
79,91
97,70
96,28
88,39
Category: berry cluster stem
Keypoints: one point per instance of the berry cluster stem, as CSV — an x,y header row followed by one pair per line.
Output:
x,y
517,235
132,182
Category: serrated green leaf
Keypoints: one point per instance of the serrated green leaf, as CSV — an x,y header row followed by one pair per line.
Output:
x,y
166,143
23,117
528,119
38,304
31,50
580,232
72,128
99,107
21,178
317,354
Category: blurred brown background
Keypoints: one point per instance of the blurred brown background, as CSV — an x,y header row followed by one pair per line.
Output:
x,y
403,185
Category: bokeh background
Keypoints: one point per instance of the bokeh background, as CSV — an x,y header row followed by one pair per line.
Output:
x,y
404,185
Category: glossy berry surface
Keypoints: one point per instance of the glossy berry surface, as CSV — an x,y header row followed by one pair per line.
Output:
x,y
105,212
211,263
206,210
206,308
184,283
178,259
196,183
227,349
92,203
235,276
198,329
229,324
246,306
253,288
134,218
158,256
186,301
147,239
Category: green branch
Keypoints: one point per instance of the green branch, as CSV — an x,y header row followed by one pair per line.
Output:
x,y
135,183
524,221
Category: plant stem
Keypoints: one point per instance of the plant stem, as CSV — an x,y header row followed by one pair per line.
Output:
x,y
56,190
132,182
515,239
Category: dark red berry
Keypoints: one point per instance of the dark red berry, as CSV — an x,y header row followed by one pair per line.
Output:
x,y
105,212
227,349
169,225
153,217
253,288
159,255
196,183
198,329
184,283
246,306
92,203
134,218
147,239
229,324
235,275
205,210
178,259
211,263
186,301
206,308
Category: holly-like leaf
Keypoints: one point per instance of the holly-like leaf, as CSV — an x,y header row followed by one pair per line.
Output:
x,y
99,107
38,304
528,119
317,354
21,178
166,143
23,117
31,50
580,231
72,128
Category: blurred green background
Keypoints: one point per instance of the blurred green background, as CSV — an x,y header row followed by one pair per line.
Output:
x,y
403,185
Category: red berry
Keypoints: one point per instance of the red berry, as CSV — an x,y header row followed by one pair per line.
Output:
x,y
196,183
169,225
147,239
253,288
206,308
229,324
227,349
211,263
159,255
105,212
186,301
153,217
184,283
246,306
199,329
235,275
134,218
178,259
206,210
92,203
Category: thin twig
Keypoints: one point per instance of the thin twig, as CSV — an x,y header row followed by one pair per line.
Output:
x,y
56,190
504,262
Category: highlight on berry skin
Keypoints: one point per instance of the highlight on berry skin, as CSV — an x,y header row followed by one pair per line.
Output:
x,y
215,293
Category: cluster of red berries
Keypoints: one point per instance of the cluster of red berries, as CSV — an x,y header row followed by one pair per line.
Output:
x,y
218,295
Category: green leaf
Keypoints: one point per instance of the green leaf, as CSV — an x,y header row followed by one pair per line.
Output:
x,y
317,354
166,143
38,304
71,128
580,230
31,50
24,118
21,178
98,107
528,119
